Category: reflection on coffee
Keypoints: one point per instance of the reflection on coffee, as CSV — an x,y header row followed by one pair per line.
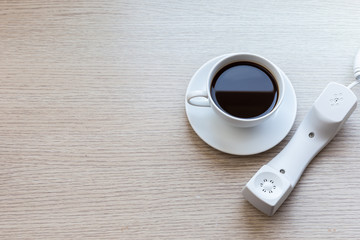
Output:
x,y
244,90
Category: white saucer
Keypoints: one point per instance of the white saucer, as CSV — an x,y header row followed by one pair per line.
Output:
x,y
234,140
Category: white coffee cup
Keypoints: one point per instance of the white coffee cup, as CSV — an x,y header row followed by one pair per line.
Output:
x,y
208,101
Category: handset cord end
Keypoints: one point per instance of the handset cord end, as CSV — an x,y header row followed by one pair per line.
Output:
x,y
356,70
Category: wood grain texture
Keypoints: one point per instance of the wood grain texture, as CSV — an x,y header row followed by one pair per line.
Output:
x,y
95,143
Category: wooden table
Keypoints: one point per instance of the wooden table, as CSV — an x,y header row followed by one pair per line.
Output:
x,y
95,142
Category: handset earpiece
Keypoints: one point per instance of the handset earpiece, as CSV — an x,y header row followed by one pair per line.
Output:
x,y
267,189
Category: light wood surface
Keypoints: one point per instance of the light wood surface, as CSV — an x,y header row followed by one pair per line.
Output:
x,y
95,143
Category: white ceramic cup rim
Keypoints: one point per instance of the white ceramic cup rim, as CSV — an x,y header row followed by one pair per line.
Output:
x,y
248,57
205,94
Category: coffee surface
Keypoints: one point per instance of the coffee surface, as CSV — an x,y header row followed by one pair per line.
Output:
x,y
244,90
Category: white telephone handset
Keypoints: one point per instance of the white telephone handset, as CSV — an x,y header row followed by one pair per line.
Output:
x,y
273,182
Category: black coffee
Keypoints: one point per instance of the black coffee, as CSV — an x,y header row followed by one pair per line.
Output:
x,y
244,90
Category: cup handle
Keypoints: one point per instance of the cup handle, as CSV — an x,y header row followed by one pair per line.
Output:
x,y
198,94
